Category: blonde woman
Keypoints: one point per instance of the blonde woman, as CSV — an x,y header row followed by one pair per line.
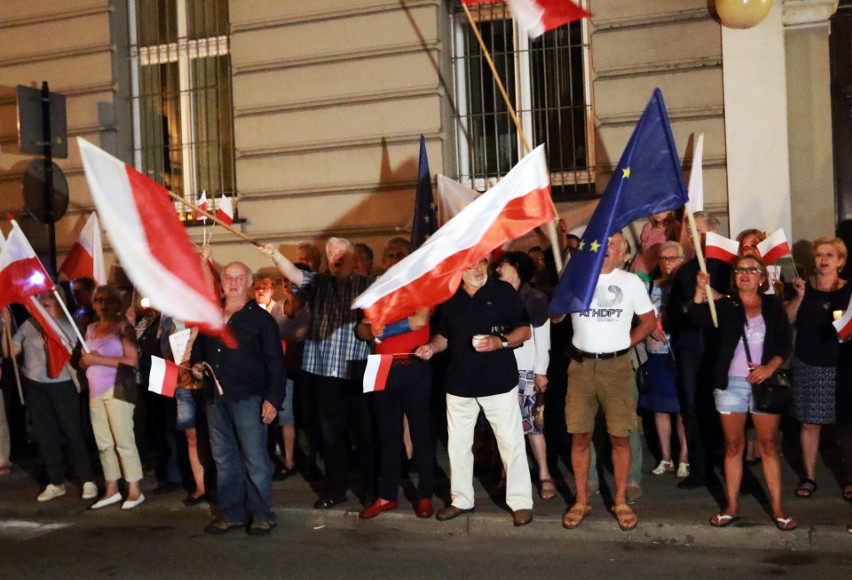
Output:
x,y
109,370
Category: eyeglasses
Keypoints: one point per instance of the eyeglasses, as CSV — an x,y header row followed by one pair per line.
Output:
x,y
741,271
262,288
670,258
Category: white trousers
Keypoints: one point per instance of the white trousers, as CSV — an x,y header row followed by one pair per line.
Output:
x,y
504,415
5,440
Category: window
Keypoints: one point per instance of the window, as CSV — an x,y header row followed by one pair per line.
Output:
x,y
548,82
182,106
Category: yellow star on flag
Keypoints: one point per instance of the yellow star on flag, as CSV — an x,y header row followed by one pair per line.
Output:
x,y
595,246
625,173
581,246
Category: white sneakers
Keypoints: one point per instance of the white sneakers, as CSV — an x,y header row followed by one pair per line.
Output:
x,y
130,504
106,501
665,466
51,492
90,490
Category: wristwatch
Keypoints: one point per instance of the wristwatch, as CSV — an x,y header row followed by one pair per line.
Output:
x,y
503,340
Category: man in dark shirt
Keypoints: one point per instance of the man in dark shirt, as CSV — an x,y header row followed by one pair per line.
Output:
x,y
252,377
479,326
693,350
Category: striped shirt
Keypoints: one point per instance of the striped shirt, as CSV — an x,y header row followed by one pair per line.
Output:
x,y
331,347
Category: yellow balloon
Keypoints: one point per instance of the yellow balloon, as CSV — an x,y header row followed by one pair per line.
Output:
x,y
742,13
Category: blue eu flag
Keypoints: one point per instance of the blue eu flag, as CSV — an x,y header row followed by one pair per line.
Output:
x,y
425,220
647,180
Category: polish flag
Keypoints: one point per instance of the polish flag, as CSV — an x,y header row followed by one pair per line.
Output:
x,y
163,378
775,246
843,325
150,241
539,16
721,248
202,204
452,198
696,176
21,272
225,211
59,345
376,374
519,203
86,258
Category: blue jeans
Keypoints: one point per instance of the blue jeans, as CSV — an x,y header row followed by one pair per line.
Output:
x,y
243,467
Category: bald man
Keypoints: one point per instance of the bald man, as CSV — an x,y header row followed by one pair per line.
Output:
x,y
253,379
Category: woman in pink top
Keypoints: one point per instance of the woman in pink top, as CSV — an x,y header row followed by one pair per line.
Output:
x,y
112,342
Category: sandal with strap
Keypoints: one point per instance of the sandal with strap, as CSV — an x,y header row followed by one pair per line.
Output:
x,y
786,524
722,520
548,489
847,491
575,516
806,488
627,520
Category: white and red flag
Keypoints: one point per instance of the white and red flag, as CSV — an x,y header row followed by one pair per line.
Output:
x,y
843,325
21,272
59,346
519,203
86,258
150,241
452,198
202,205
539,16
163,378
696,176
721,248
376,373
774,246
225,211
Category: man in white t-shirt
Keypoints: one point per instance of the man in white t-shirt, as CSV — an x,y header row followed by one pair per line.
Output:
x,y
602,377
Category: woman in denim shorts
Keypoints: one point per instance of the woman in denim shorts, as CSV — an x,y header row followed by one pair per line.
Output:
x,y
761,319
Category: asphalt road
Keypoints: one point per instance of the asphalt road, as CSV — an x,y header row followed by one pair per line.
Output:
x,y
153,545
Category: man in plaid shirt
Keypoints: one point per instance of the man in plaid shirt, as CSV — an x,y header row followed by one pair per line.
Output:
x,y
333,364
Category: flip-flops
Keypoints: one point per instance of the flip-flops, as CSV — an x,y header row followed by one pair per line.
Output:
x,y
575,516
786,524
625,517
806,488
722,520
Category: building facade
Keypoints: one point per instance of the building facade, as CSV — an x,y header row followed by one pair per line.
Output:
x,y
309,113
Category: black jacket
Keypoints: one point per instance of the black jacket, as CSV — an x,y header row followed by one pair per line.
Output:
x,y
778,340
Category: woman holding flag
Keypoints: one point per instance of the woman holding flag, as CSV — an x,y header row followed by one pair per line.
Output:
x,y
817,351
112,390
51,400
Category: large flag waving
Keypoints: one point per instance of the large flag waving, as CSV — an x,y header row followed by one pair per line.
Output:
x,y
86,258
519,203
647,180
21,272
425,221
452,198
152,245
539,16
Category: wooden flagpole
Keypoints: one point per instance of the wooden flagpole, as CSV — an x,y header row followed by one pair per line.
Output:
x,y
701,263
216,220
7,333
551,226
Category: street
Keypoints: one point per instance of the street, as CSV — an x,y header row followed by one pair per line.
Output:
x,y
154,544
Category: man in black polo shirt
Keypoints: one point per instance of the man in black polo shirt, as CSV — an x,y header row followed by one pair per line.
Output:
x,y
479,326
253,379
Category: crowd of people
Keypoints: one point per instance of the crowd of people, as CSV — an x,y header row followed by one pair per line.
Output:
x,y
686,347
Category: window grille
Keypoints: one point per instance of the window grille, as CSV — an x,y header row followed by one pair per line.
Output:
x,y
182,101
548,82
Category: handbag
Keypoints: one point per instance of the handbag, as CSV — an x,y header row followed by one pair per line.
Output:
x,y
775,394
643,382
125,388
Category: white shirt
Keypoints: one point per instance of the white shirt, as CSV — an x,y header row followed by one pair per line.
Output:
x,y
605,326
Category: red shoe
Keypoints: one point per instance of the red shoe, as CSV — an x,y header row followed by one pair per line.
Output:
x,y
376,508
424,508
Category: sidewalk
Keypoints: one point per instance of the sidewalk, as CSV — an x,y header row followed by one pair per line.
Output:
x,y
666,514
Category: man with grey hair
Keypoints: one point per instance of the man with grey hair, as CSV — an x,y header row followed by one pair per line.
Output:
x,y
363,255
333,364
252,377
695,354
